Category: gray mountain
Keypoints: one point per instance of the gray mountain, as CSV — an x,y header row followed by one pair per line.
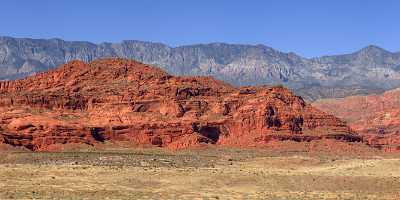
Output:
x,y
369,70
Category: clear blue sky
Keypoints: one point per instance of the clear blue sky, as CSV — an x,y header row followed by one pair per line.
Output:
x,y
307,27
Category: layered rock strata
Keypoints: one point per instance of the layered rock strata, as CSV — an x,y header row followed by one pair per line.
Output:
x,y
120,100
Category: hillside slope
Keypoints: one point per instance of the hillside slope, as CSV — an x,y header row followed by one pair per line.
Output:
x,y
377,117
117,100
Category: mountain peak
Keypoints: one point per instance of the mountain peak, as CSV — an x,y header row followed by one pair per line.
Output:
x,y
372,49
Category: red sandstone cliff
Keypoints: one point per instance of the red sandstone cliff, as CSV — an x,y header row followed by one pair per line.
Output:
x,y
375,117
122,100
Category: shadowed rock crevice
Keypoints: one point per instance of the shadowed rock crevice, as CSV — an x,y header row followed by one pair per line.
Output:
x,y
271,118
295,124
98,133
210,132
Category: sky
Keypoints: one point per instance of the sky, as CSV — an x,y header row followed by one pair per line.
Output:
x,y
309,28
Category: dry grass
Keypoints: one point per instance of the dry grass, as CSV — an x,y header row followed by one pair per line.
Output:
x,y
200,174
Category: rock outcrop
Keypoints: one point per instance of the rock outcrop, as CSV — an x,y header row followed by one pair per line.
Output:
x,y
376,117
118,100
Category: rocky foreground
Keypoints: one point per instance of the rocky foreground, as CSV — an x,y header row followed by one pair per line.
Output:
x,y
123,101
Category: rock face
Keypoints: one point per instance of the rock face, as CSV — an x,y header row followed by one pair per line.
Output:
x,y
376,117
120,100
371,69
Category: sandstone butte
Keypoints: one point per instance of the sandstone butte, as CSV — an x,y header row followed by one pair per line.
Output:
x,y
375,117
117,100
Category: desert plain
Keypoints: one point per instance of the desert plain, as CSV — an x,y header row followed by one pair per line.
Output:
x,y
203,173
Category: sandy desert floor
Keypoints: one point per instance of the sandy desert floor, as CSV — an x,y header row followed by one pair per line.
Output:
x,y
197,174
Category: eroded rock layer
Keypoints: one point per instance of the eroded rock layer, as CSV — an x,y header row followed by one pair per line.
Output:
x,y
375,117
120,100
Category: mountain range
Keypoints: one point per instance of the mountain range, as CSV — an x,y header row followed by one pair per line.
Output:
x,y
369,70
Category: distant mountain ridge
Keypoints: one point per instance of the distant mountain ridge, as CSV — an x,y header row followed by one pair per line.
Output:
x,y
371,69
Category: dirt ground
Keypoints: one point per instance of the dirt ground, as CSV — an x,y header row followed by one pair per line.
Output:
x,y
212,173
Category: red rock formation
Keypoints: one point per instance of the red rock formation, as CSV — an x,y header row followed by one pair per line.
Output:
x,y
121,100
376,117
